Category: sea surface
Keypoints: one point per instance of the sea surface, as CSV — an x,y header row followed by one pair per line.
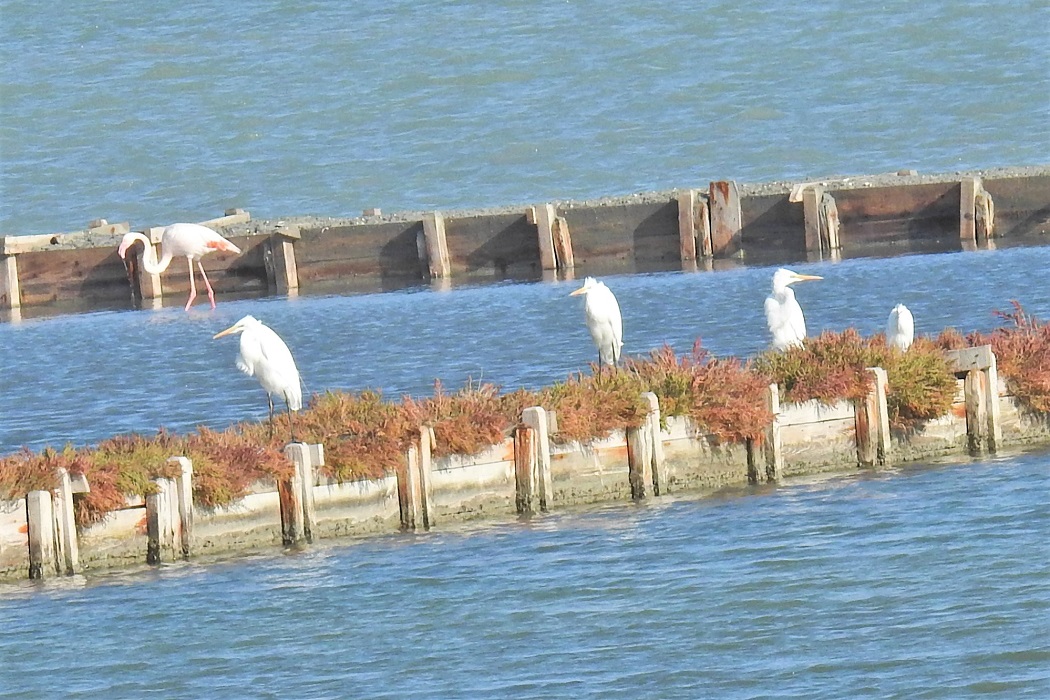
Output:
x,y
924,582
927,581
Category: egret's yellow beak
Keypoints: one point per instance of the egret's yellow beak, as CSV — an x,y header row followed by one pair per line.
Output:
x,y
229,330
806,278
581,290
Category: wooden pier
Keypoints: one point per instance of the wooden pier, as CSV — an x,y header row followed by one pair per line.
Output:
x,y
684,229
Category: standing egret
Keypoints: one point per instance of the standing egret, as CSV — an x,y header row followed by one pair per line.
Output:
x,y
190,240
783,314
603,320
264,355
900,328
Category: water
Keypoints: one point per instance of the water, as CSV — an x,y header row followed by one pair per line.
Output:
x,y
930,582
925,583
155,113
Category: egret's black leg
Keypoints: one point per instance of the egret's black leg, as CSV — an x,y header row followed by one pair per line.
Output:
x,y
269,400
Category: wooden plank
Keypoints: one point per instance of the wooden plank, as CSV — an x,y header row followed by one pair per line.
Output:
x,y
15,245
726,218
10,292
976,410
285,276
290,495
544,216
968,188
40,520
562,243
184,502
811,197
65,521
541,421
967,359
525,458
687,225
500,244
438,263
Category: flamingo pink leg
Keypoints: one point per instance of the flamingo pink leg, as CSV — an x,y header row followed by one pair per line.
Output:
x,y
211,292
193,285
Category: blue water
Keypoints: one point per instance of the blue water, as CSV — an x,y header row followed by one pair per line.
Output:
x,y
931,582
160,112
926,583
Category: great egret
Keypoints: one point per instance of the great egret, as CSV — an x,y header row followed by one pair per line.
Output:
x,y
264,355
900,328
783,314
190,240
603,320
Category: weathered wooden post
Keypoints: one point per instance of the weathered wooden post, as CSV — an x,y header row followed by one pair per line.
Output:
x,y
10,294
524,469
562,243
981,394
543,215
872,421
726,218
773,446
409,493
281,271
65,525
426,448
968,188
290,494
40,521
184,502
645,453
687,226
299,454
438,262
161,523
542,423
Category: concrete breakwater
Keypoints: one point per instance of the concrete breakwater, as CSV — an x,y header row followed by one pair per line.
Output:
x,y
529,471
720,224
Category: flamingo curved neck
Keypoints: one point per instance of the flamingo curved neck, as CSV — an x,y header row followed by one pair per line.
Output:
x,y
149,257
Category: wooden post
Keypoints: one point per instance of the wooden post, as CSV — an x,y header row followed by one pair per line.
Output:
x,y
438,262
774,443
280,263
426,446
160,523
409,494
644,458
811,197
65,525
299,454
687,226
984,216
661,479
544,216
290,493
968,188
726,218
976,410
880,424
829,223
539,420
184,501
562,243
525,486
41,524
994,434
10,294
981,392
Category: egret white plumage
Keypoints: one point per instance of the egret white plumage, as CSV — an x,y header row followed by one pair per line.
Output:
x,y
603,320
900,328
190,240
265,356
783,313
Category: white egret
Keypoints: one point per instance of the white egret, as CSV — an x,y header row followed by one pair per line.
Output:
x,y
190,240
603,320
265,356
900,328
783,313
